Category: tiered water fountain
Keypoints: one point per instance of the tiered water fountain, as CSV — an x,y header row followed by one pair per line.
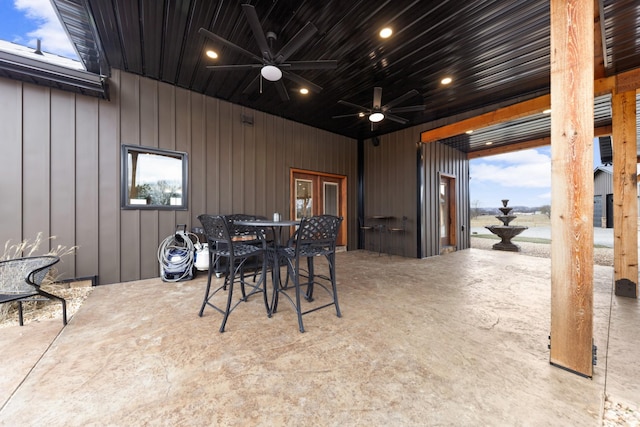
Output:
x,y
505,231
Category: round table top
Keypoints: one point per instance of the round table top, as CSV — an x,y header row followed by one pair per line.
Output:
x,y
268,223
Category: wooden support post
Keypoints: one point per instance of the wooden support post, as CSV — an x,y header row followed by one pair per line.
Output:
x,y
625,194
572,64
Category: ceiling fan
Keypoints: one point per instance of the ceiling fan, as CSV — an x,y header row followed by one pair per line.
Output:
x,y
273,65
379,112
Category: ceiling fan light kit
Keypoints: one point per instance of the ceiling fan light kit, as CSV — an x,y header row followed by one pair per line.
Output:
x,y
271,62
376,117
271,73
379,112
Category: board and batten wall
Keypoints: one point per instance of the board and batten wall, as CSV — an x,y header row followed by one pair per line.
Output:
x,y
61,168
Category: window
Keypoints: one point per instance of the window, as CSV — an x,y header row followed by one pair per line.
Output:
x,y
153,178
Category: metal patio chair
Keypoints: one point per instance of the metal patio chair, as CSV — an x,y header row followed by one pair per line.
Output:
x,y
20,281
316,237
219,231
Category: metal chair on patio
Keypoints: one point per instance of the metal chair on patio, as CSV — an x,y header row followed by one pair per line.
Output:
x,y
220,233
399,230
316,237
364,229
20,281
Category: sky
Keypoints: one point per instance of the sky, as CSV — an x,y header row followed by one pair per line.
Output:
x,y
522,177
24,21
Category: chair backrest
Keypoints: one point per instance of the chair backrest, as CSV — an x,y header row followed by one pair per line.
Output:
x,y
320,231
216,228
242,230
24,275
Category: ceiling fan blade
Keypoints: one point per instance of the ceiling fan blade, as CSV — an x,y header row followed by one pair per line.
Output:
x,y
341,116
256,28
233,46
407,109
233,67
302,81
296,42
356,106
396,119
377,97
252,86
311,65
282,90
401,99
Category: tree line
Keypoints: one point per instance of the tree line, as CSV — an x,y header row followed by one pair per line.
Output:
x,y
477,210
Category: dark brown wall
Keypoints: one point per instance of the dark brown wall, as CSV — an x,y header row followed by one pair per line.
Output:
x,y
61,167
61,171
441,159
391,188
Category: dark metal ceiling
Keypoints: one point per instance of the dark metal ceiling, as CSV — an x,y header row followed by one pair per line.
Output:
x,y
495,51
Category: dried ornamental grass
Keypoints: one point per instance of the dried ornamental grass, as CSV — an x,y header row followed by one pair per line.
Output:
x,y
28,248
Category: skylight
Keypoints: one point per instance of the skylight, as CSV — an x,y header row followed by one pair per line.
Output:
x,y
24,22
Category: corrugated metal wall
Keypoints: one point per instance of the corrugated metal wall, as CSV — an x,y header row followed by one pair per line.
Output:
x,y
61,173
602,183
441,159
391,188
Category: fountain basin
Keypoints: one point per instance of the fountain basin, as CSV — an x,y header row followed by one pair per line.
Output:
x,y
506,233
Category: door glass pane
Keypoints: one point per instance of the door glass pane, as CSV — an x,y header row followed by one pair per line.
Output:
x,y
444,210
331,198
304,198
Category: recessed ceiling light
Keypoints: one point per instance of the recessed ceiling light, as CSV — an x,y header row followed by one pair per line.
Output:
x,y
488,143
386,32
304,91
469,132
446,80
212,54
361,114
547,111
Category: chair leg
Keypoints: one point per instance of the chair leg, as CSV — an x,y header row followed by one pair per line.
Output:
x,y
332,273
242,289
309,294
206,292
229,299
264,285
20,317
298,306
62,300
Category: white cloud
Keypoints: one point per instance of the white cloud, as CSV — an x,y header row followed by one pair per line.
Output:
x,y
527,168
49,29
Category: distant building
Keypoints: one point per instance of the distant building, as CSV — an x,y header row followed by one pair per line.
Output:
x,y
603,197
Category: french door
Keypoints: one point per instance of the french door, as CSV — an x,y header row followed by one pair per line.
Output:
x,y
316,193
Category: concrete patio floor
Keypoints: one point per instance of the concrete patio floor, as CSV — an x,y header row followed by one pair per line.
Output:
x,y
459,339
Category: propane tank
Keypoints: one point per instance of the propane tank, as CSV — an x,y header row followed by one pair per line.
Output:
x,y
202,256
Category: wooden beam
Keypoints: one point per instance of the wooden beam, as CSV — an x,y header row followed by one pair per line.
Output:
x,y
604,85
572,85
516,111
625,194
628,81
602,131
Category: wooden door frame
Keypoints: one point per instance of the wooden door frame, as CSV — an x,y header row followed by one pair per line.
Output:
x,y
452,208
342,205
